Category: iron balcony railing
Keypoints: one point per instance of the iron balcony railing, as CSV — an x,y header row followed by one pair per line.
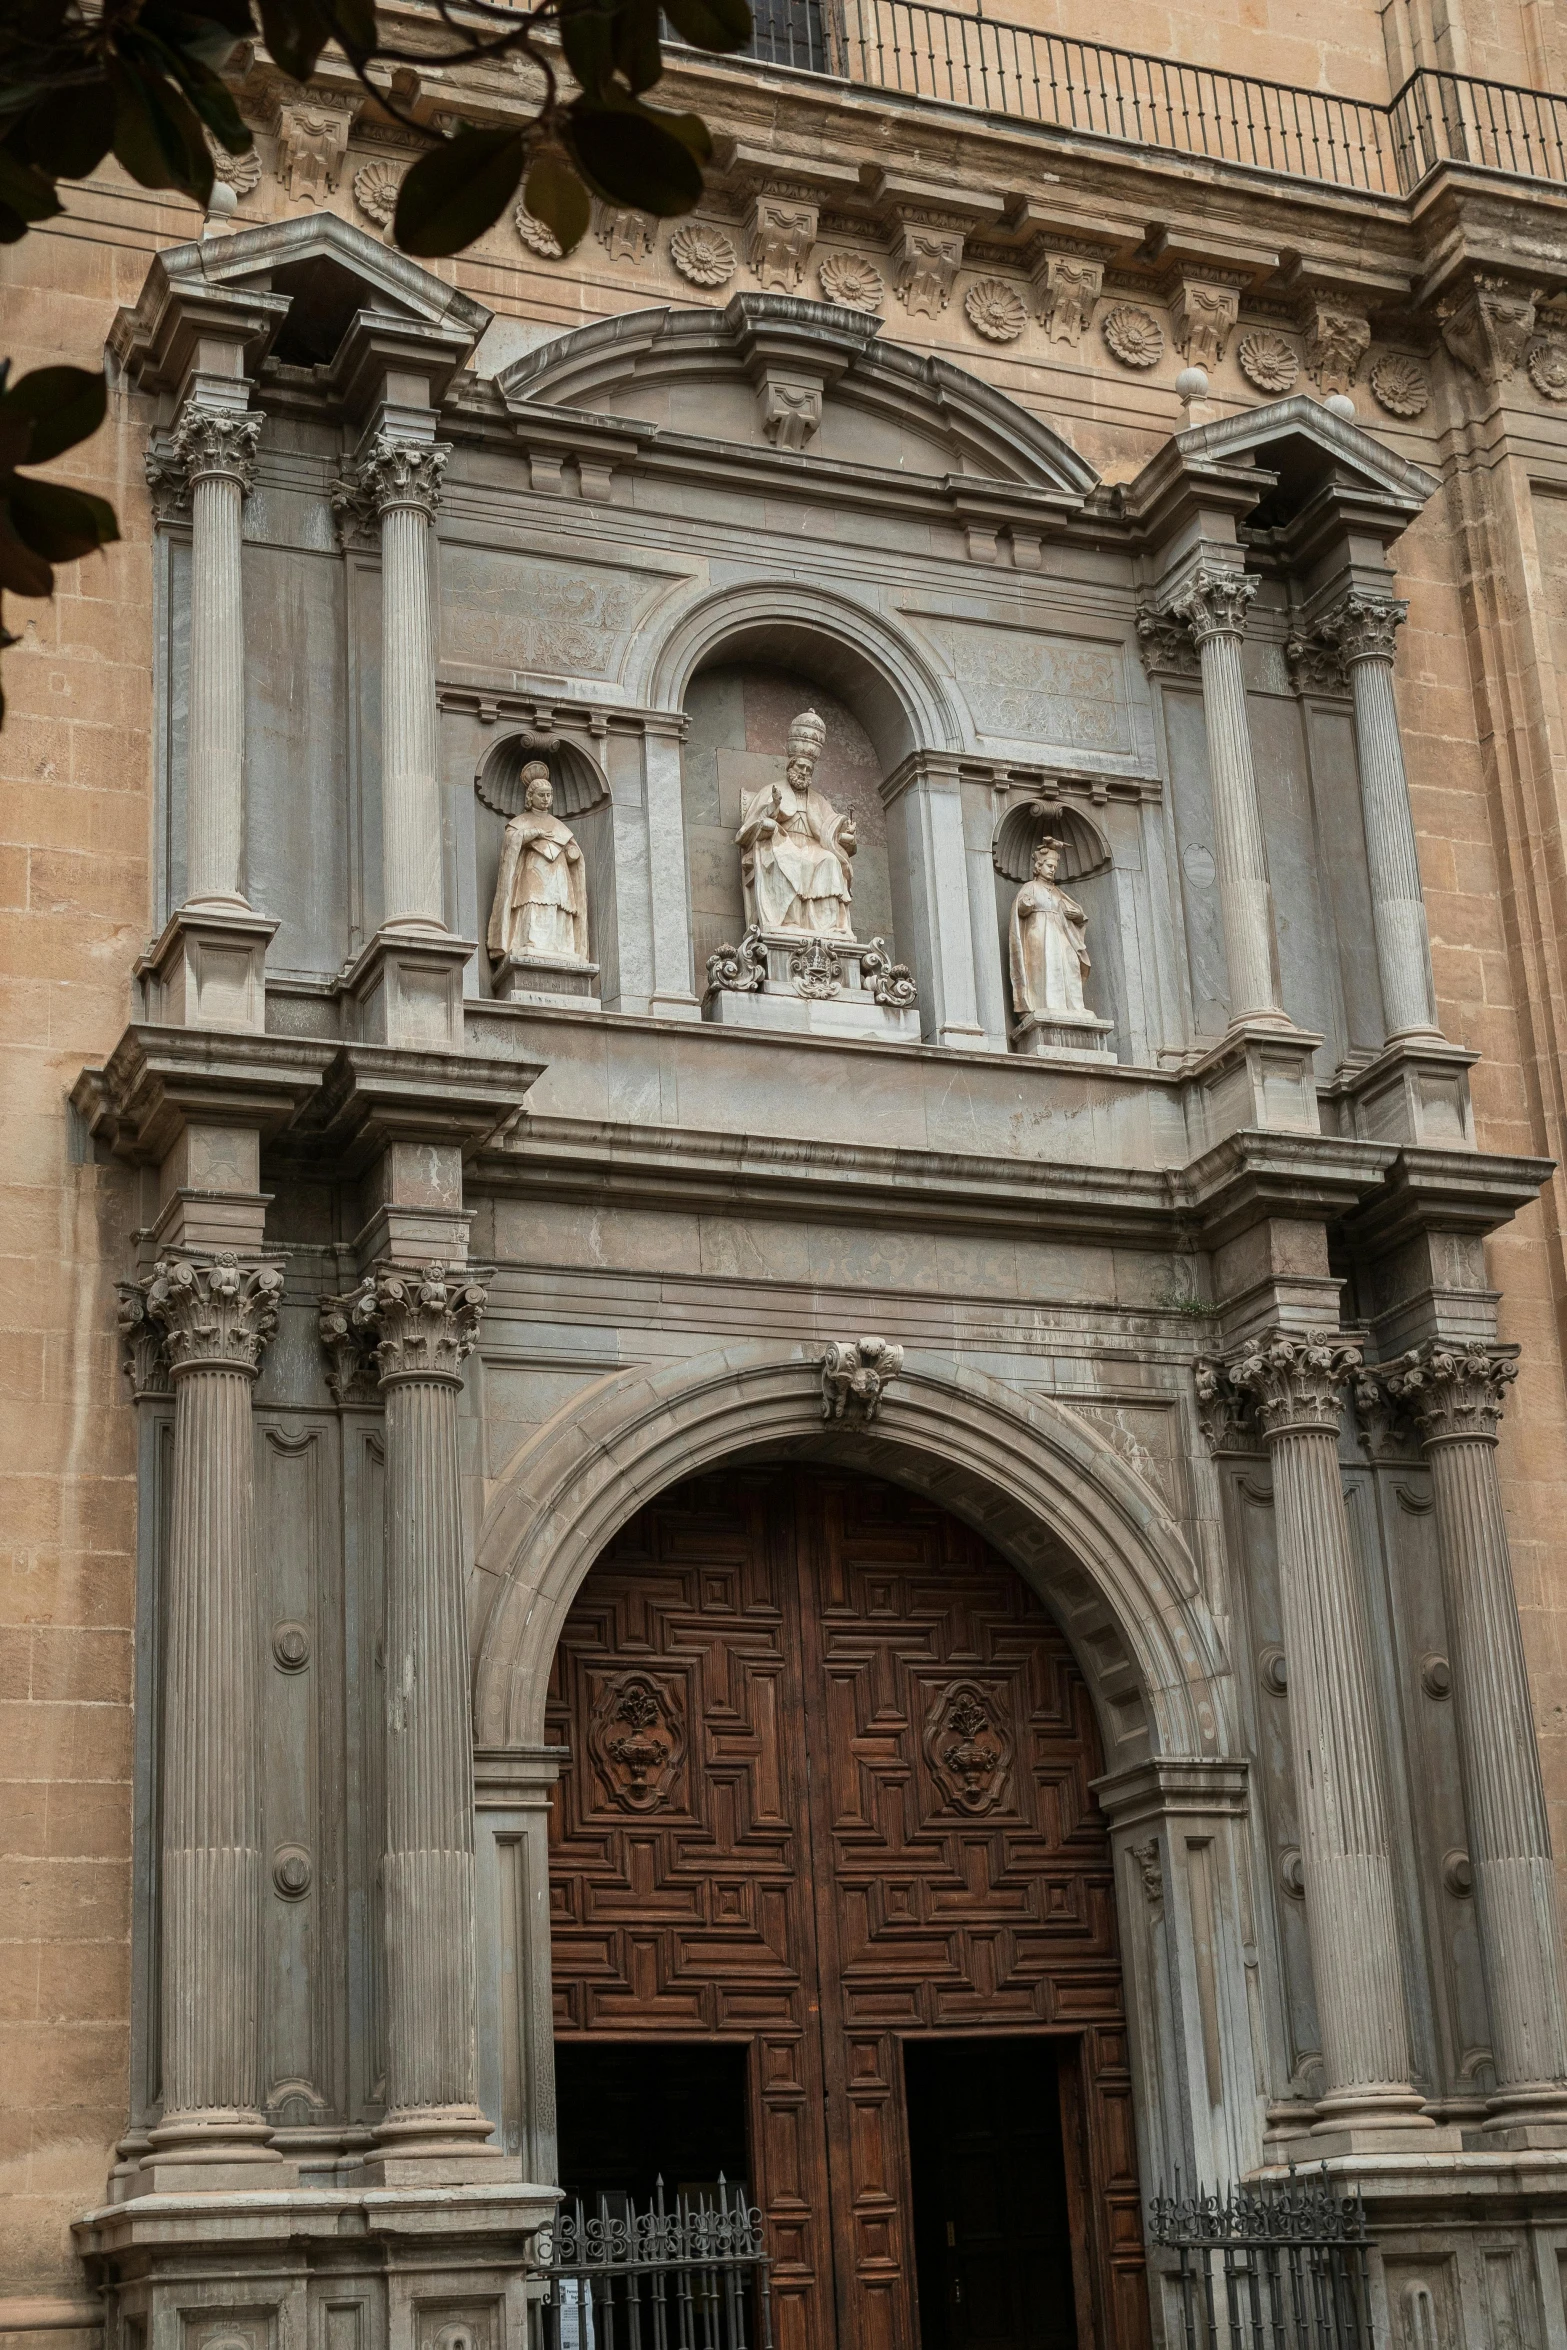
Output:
x,y
1269,2268
965,58
690,2277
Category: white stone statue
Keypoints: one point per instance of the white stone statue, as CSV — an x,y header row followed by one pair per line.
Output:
x,y
541,902
796,847
1048,938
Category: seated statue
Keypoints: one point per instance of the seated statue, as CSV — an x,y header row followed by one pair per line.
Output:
x,y
541,904
1048,939
796,847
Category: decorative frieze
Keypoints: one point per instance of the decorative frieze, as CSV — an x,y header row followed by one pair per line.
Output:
x,y
1489,328
855,1374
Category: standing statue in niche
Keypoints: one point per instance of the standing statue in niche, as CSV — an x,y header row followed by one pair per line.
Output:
x,y
796,848
1048,940
541,902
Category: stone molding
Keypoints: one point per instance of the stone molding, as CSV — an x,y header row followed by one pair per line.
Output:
x,y
415,1325
212,1315
1214,601
206,444
1452,1393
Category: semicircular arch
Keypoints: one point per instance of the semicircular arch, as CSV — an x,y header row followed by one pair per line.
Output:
x,y
1043,1487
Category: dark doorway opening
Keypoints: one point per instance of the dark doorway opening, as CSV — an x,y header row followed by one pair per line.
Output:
x,y
629,2113
992,2231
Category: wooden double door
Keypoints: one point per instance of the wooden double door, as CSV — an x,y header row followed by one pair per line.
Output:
x,y
828,1802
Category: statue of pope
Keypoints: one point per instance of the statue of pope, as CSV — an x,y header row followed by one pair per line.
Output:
x,y
795,847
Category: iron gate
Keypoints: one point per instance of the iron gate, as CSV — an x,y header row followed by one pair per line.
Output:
x,y
690,2277
1270,2267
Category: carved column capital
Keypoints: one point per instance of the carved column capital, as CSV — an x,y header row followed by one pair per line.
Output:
x,y
1214,602
1365,627
206,444
214,1314
1164,641
145,1357
1296,1383
1226,1414
390,475
421,1325
349,1341
1452,1393
1316,662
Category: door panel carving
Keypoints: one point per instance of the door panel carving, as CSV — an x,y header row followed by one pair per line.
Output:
x,y
879,1824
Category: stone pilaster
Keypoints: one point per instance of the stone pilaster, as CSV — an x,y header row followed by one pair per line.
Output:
x,y
1214,602
1295,1386
215,1317
421,1325
1364,628
1454,1395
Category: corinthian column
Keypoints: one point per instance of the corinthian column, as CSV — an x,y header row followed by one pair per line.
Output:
x,y
211,458
1364,627
1296,1385
1214,603
421,1326
399,481
216,1316
1455,1396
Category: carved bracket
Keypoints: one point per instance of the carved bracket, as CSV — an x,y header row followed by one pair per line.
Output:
x,y
855,1372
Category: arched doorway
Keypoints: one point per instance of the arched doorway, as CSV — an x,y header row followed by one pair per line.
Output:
x,y
831,1898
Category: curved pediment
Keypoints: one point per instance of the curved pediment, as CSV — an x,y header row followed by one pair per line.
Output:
x,y
773,371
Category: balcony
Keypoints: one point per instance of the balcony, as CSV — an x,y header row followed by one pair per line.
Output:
x,y
958,58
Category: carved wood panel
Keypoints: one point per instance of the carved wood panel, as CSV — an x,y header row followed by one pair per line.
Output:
x,y
872,1754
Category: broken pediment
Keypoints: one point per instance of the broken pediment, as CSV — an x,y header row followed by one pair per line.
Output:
x,y
312,292
773,371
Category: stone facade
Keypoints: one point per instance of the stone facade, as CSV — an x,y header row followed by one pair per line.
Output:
x,y
1226,555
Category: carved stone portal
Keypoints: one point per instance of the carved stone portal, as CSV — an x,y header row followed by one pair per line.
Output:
x,y
638,1740
969,1747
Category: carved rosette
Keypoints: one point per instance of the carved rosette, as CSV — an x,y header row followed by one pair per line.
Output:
x,y
1452,1393
1215,601
215,1313
1296,1383
423,1324
389,475
206,444
638,1740
855,1374
969,1747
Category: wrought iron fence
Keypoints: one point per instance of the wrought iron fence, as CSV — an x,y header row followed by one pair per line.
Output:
x,y
1270,2267
691,2277
965,58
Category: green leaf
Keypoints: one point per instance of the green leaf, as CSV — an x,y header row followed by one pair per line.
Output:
x,y
68,133
25,196
711,24
62,405
60,523
210,98
457,191
633,155
22,573
554,194
156,136
296,32
353,21
638,57
587,37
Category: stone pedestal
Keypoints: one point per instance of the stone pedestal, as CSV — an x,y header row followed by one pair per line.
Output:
x,y
207,969
215,1317
560,981
406,989
817,986
1258,1075
1081,1034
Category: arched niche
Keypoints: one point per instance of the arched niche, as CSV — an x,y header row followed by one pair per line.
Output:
x,y
1087,870
581,797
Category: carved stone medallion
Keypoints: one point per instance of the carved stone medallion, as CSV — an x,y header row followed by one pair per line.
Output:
x,y
242,173
995,310
1133,335
638,1739
537,235
817,972
703,256
969,1747
375,191
1400,384
1547,363
1268,361
850,281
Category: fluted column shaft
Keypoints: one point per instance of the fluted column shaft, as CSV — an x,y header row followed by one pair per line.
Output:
x,y
1364,628
399,481
1455,1394
1296,1386
216,1317
422,1325
1214,604
210,457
